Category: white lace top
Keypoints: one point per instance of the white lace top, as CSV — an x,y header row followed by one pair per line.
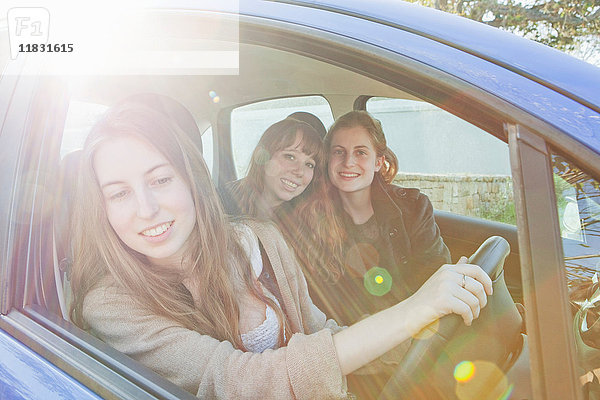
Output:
x,y
266,335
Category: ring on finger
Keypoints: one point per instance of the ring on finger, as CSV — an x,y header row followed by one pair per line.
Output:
x,y
464,281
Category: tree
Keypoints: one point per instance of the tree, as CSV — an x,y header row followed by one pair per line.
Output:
x,y
568,25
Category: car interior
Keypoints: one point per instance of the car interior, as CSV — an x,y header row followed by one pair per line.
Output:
x,y
262,77
274,66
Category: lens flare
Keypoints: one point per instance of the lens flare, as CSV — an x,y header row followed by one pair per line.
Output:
x,y
377,281
428,331
464,371
507,392
212,94
485,381
216,99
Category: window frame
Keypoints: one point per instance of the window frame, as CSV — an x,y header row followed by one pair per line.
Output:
x,y
544,277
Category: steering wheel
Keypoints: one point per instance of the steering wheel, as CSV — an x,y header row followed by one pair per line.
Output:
x,y
427,369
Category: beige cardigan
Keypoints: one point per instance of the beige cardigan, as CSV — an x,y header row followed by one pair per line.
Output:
x,y
307,368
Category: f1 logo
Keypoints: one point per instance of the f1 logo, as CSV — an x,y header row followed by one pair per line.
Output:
x,y
27,25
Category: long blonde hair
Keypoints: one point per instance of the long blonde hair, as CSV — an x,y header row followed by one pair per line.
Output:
x,y
215,260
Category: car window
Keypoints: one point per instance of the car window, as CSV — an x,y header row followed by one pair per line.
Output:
x,y
461,168
578,205
249,122
81,116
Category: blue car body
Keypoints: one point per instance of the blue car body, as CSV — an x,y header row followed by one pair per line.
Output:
x,y
27,375
545,82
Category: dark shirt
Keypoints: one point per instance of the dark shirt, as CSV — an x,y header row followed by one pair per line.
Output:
x,y
349,299
402,238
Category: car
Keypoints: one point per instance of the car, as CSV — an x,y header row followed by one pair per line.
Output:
x,y
502,133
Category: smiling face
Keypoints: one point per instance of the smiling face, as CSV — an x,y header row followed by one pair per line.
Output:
x,y
288,173
353,160
148,204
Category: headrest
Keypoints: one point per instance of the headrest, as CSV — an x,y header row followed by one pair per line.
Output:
x,y
172,109
310,119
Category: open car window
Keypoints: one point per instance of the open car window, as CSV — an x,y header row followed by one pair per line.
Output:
x,y
81,116
463,169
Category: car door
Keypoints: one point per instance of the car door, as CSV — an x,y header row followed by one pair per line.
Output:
x,y
494,99
558,199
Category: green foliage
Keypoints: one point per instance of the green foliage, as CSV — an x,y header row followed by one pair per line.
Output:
x,y
563,24
574,176
560,186
502,211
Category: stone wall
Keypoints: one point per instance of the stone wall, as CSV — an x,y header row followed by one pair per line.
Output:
x,y
471,195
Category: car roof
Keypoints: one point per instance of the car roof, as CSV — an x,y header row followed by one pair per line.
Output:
x,y
547,84
553,68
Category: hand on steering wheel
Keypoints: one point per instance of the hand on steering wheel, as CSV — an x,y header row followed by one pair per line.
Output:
x,y
426,370
460,289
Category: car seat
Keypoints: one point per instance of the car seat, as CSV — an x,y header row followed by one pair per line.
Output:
x,y
310,119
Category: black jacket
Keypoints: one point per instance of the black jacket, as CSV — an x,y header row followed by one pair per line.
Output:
x,y
408,230
405,215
